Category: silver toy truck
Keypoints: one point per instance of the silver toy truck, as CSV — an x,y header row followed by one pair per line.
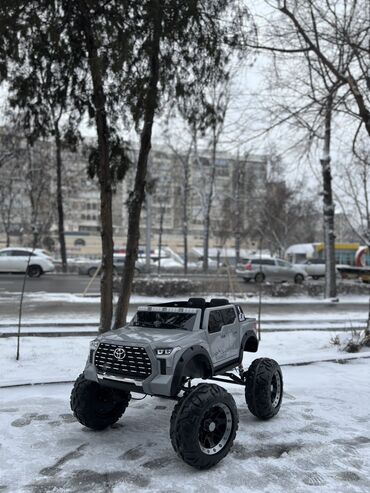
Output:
x,y
160,352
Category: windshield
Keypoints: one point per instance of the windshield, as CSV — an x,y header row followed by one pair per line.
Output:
x,y
164,320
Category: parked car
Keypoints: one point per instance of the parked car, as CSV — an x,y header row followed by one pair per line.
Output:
x,y
270,269
315,267
90,266
15,260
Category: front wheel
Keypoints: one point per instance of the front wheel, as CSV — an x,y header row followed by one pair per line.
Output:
x,y
203,425
264,388
96,406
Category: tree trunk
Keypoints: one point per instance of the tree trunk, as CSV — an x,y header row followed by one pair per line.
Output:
x,y
62,240
138,194
207,218
238,212
329,236
161,218
185,214
99,100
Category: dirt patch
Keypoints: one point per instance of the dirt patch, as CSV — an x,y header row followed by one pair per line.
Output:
x,y
86,481
360,440
20,422
159,463
55,468
313,479
27,419
133,453
239,451
68,418
348,476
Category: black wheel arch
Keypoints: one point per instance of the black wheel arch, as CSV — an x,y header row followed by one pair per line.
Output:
x,y
194,363
250,342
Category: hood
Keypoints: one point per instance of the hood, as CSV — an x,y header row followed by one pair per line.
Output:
x,y
145,335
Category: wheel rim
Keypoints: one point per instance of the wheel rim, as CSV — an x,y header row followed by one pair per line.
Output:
x,y
275,389
215,429
33,271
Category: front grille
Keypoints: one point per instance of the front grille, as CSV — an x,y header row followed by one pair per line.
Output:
x,y
135,363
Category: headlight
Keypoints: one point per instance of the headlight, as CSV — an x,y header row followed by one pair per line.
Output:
x,y
94,344
164,351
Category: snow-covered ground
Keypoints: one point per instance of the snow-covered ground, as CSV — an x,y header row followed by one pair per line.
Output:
x,y
320,441
63,358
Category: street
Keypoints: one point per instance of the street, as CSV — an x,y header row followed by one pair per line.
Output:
x,y
48,283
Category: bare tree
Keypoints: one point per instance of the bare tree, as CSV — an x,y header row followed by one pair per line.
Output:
x,y
183,156
11,173
353,190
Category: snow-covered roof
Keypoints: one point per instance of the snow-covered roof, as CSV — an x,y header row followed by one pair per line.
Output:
x,y
307,248
223,252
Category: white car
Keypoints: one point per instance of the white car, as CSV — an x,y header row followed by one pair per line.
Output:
x,y
15,260
266,268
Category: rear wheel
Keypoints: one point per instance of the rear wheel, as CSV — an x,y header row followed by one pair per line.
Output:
x,y
298,279
203,425
34,271
96,406
259,277
264,388
91,271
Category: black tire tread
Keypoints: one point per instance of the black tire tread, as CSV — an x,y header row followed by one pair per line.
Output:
x,y
259,275
184,421
257,393
84,411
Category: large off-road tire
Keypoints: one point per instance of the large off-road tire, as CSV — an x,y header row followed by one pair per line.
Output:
x,y
264,388
96,406
34,271
203,425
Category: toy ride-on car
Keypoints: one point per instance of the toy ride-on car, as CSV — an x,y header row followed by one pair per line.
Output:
x,y
159,353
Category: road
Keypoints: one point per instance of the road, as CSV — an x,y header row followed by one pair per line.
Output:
x,y
49,283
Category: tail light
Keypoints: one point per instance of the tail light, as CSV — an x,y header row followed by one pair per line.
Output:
x,y
248,266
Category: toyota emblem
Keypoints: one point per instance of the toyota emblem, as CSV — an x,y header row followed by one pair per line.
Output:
x,y
119,353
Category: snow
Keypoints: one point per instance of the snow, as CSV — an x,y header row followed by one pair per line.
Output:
x,y
319,441
63,358
307,248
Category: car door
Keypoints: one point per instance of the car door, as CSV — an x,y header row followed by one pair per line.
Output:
x,y
20,260
230,332
5,261
216,337
271,269
285,270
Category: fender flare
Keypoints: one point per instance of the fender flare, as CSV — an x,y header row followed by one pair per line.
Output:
x,y
249,341
189,363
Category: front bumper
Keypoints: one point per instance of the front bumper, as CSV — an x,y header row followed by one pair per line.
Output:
x,y
157,383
